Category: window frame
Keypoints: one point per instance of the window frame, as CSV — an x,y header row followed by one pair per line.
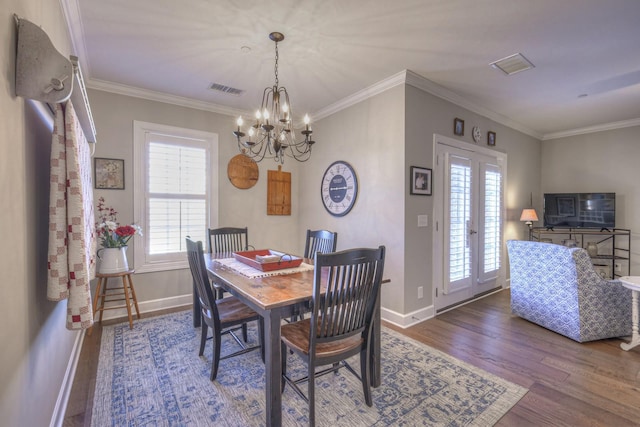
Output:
x,y
144,263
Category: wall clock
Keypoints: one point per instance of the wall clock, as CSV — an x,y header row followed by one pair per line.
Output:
x,y
477,134
339,188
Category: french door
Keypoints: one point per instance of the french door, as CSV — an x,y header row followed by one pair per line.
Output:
x,y
469,216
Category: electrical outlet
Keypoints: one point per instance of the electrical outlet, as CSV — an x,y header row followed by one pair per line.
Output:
x,y
420,292
618,267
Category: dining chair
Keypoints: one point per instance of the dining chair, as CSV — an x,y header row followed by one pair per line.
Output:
x,y
320,241
223,316
317,241
227,240
345,291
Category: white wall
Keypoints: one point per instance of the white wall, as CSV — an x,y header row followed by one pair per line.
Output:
x,y
36,347
599,162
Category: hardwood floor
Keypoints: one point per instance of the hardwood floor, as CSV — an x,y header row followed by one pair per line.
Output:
x,y
570,384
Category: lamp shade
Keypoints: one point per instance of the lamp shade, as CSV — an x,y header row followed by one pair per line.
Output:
x,y
529,215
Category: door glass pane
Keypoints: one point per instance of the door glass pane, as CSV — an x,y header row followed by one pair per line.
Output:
x,y
460,215
492,219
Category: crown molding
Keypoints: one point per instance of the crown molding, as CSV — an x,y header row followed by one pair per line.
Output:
x,y
75,30
592,129
428,86
150,95
362,95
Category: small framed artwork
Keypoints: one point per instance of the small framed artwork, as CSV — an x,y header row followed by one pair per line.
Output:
x,y
420,181
491,138
108,173
458,127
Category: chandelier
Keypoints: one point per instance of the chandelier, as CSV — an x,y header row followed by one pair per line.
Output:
x,y
272,135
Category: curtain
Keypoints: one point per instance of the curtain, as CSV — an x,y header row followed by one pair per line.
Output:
x,y
72,238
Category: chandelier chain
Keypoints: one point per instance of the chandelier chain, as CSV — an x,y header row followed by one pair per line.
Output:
x,y
276,66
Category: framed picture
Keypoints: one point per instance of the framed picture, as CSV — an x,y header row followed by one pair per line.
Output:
x,y
458,127
108,173
491,138
420,181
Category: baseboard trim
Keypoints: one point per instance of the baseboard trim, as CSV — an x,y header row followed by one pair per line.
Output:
x,y
151,306
60,409
406,320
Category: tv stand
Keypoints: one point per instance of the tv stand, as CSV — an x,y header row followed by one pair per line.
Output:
x,y
613,258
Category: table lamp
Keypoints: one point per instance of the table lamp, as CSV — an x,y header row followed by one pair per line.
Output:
x,y
529,216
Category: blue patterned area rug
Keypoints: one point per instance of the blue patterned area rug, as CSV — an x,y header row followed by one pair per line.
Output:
x,y
152,376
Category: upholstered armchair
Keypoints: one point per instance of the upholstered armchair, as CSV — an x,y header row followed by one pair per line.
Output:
x,y
557,287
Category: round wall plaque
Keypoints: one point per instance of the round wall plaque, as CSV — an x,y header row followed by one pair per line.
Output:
x,y
242,172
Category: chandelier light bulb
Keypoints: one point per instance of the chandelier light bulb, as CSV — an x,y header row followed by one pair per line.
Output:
x,y
239,121
251,132
258,115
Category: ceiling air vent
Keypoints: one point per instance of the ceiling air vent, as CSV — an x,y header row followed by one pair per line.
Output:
x,y
226,89
513,64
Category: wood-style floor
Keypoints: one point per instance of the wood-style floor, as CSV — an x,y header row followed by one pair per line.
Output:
x,y
570,384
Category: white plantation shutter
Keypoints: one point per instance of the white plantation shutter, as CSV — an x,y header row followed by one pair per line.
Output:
x,y
458,210
178,196
492,225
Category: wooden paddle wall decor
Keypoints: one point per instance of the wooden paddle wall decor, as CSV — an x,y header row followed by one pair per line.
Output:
x,y
278,192
242,172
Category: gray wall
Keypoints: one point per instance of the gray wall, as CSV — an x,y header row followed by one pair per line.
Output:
x,y
36,347
114,115
426,115
599,162
369,136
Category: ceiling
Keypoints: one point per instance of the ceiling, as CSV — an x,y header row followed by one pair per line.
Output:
x,y
334,49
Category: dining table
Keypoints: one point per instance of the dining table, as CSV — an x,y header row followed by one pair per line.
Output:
x,y
275,296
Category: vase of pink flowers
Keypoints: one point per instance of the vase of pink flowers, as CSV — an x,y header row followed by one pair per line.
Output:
x,y
113,239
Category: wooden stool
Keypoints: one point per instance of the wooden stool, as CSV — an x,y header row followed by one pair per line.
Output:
x,y
102,292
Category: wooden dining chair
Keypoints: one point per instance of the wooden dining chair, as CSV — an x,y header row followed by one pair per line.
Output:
x,y
227,240
223,316
317,241
320,241
345,291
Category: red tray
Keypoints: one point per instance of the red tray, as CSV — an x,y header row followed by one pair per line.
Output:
x,y
273,260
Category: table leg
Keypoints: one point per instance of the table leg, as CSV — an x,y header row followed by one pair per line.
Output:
x,y
273,368
635,319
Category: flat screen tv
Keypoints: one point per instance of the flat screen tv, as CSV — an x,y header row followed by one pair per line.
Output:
x,y
580,210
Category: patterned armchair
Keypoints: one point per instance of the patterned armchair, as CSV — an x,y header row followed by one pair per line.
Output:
x,y
557,288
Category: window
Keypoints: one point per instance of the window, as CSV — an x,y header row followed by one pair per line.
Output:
x,y
175,192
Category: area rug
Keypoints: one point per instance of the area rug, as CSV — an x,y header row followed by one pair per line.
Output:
x,y
152,376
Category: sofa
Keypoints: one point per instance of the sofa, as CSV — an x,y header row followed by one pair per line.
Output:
x,y
557,287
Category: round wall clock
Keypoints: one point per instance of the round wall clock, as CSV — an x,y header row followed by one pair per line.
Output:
x,y
339,188
477,134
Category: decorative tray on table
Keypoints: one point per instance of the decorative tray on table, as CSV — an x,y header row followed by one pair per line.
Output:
x,y
268,259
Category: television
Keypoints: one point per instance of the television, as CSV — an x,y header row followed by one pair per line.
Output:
x,y
580,210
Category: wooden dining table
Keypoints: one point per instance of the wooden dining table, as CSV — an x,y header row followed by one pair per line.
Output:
x,y
275,298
